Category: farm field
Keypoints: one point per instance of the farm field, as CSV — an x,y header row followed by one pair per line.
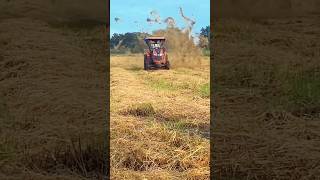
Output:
x,y
160,121
52,97
267,98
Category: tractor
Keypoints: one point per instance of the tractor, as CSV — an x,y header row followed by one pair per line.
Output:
x,y
156,56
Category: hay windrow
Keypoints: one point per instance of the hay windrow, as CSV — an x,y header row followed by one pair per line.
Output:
x,y
141,109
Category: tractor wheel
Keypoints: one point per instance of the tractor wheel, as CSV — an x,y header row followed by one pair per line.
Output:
x,y
146,63
168,65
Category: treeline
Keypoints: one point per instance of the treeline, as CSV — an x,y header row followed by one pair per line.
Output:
x,y
133,42
204,40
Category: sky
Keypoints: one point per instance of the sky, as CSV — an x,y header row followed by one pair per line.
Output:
x,y
133,14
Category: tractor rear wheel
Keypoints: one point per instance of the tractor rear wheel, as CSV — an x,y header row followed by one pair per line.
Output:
x,y
167,65
146,63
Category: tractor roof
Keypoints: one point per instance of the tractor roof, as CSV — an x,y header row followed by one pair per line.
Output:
x,y
155,38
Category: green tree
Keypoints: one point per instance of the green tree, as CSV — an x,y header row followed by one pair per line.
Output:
x,y
115,40
131,41
205,32
204,38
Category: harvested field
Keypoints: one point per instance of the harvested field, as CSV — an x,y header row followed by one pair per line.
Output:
x,y
52,95
159,121
267,91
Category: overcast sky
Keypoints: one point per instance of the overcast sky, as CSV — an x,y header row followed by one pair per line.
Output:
x,y
133,14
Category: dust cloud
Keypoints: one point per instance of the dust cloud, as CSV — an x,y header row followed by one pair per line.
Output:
x,y
182,50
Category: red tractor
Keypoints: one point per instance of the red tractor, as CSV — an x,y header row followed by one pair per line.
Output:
x,y
156,56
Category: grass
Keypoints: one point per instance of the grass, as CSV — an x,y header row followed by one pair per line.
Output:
x,y
294,91
281,87
268,91
164,83
206,52
81,155
8,148
4,112
187,127
303,91
160,84
45,131
134,68
204,90
150,132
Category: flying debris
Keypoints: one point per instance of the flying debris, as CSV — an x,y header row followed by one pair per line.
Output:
x,y
153,12
157,21
189,23
138,25
149,20
171,23
155,18
117,19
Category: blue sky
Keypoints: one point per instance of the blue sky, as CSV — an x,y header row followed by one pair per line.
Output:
x,y
130,11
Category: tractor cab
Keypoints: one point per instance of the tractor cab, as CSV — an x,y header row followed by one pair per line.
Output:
x,y
156,56
155,43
